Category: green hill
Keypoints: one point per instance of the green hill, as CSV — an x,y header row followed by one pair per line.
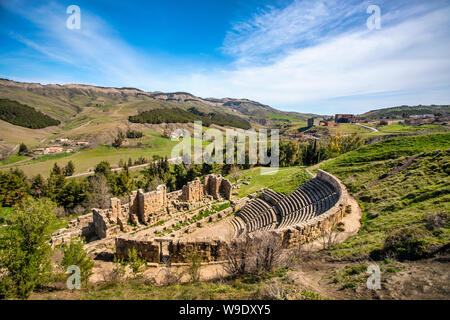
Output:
x,y
24,116
178,115
401,184
405,111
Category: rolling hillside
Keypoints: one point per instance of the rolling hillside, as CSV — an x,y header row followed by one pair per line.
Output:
x,y
401,111
96,113
401,184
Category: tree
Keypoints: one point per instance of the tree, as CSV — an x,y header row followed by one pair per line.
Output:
x,y
180,173
55,184
23,149
13,187
72,194
104,168
74,254
99,195
235,173
38,187
134,134
118,141
289,153
24,248
122,184
56,169
193,172
313,153
69,169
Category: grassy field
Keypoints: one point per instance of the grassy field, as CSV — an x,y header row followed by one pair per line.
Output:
x,y
285,180
86,160
399,128
408,198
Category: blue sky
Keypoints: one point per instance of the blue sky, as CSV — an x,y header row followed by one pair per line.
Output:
x,y
297,55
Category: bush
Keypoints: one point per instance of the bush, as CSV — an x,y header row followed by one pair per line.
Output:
x,y
194,259
135,262
134,134
408,243
74,254
24,248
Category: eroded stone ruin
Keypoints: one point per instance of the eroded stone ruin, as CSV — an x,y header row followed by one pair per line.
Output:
x,y
145,208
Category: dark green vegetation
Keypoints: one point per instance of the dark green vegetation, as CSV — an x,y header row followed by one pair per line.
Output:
x,y
24,116
24,250
134,134
404,185
177,115
405,111
74,255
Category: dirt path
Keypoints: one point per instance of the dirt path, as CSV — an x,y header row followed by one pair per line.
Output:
x,y
367,127
351,225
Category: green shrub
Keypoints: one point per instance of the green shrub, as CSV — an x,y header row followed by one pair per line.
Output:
x,y
74,254
24,248
408,243
135,262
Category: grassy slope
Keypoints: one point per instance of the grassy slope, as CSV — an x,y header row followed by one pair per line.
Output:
x,y
398,111
405,198
285,180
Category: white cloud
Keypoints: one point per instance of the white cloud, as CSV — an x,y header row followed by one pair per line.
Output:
x,y
384,66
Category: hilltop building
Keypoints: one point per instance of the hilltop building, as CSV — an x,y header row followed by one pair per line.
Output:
x,y
345,118
313,122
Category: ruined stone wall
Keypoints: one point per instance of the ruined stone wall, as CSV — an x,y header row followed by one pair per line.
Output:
x,y
217,186
144,208
82,226
193,191
147,249
151,205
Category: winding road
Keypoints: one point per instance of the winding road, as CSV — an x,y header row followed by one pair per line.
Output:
x,y
367,127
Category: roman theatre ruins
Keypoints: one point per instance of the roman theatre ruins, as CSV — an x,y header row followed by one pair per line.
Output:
x,y
205,218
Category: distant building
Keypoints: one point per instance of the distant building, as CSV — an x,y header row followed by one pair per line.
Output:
x,y
345,118
38,150
313,122
82,143
53,150
385,122
62,140
328,123
421,116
